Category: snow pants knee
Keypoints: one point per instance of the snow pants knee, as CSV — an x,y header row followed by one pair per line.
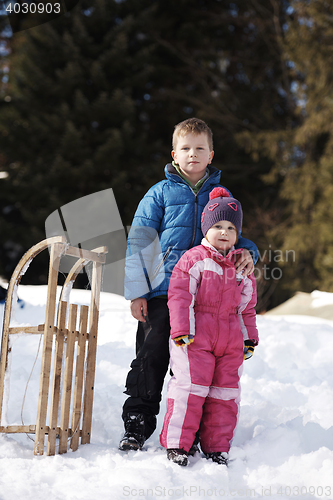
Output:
x,y
205,386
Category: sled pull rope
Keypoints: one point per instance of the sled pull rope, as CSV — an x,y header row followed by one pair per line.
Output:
x,y
27,384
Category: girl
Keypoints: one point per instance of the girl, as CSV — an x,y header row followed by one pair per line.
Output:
x,y
212,315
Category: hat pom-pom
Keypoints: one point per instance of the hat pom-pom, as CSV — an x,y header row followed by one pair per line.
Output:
x,y
219,192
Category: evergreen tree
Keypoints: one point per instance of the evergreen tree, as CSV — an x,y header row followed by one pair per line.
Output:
x,y
309,183
94,96
226,65
302,152
68,128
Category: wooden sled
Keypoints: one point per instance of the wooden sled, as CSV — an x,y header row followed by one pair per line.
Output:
x,y
76,346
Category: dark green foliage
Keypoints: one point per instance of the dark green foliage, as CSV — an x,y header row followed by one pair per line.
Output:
x,y
302,152
309,185
95,95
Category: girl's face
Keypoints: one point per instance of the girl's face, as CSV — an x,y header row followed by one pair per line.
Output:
x,y
222,235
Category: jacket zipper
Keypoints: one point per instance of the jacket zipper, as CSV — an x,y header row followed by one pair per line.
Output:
x,y
157,269
195,217
196,210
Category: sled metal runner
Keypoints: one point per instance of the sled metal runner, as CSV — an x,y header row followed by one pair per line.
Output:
x,y
72,345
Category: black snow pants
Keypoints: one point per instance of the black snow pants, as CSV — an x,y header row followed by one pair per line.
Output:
x,y
144,381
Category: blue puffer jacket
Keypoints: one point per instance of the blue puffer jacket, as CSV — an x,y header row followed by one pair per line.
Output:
x,y
167,222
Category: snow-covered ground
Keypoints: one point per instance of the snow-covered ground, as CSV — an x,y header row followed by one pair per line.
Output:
x,y
283,447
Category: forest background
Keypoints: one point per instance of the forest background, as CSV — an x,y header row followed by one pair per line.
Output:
x,y
89,100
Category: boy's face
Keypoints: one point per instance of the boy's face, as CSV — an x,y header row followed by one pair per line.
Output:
x,y
222,235
192,154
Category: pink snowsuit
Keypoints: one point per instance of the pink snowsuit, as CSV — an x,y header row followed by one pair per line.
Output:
x,y
209,300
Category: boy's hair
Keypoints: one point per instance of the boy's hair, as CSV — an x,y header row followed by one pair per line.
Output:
x,y
192,126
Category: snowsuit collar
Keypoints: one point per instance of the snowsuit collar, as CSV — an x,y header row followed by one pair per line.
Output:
x,y
172,174
232,252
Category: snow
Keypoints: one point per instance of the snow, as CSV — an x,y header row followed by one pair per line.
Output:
x,y
320,299
283,447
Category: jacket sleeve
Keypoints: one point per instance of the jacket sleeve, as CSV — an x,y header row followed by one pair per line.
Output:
x,y
246,309
248,244
143,244
183,287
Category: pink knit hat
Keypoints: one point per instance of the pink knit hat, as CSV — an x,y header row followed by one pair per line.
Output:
x,y
221,207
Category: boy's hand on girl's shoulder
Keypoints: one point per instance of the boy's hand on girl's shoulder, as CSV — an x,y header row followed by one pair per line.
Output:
x,y
139,309
244,262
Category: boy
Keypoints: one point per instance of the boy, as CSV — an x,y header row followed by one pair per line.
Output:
x,y
171,210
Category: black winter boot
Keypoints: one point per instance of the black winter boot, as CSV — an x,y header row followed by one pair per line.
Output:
x,y
220,457
134,436
178,456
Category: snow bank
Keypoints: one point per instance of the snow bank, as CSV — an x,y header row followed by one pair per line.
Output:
x,y
316,303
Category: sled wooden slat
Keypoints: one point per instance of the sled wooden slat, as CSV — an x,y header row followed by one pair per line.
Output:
x,y
78,343
26,329
78,385
16,429
31,429
55,394
93,256
91,356
47,349
67,386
